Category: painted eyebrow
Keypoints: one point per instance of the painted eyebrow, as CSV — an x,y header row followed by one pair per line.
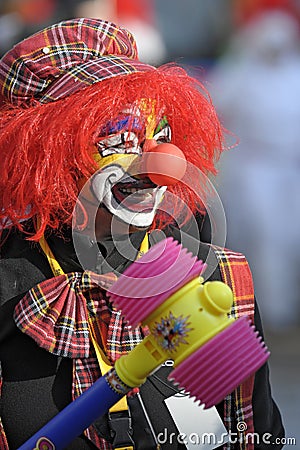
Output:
x,y
162,124
123,124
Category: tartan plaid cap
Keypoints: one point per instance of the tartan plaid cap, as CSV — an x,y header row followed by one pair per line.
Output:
x,y
65,57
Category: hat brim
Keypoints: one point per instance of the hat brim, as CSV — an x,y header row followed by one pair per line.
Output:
x,y
93,71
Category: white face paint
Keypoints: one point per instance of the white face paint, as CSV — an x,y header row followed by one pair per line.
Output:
x,y
131,200
119,184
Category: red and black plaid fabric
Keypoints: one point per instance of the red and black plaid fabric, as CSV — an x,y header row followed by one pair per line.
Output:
x,y
85,298
236,274
91,72
60,313
3,440
65,57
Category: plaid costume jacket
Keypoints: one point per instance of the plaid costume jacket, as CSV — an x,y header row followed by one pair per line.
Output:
x,y
237,407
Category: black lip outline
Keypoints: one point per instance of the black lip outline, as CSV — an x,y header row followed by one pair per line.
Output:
x,y
141,184
137,185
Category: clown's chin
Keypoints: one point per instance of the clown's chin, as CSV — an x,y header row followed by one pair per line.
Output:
x,y
136,216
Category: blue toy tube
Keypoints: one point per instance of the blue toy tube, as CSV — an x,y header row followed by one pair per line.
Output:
x,y
78,415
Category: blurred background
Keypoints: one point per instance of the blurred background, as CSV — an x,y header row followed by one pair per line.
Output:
x,y
247,54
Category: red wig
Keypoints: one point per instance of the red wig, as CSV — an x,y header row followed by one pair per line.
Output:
x,y
47,148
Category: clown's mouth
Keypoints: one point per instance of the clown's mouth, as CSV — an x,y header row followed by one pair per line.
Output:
x,y
136,196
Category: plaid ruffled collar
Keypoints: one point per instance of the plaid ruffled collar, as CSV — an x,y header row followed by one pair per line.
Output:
x,y
61,313
56,313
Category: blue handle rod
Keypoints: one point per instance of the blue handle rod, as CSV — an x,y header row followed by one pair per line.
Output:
x,y
76,417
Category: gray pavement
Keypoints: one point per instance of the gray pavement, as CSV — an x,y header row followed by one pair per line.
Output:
x,y
285,378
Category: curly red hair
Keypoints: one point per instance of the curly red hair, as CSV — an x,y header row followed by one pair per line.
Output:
x,y
47,148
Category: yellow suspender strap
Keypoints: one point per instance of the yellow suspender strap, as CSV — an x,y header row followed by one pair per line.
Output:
x,y
144,247
55,267
121,405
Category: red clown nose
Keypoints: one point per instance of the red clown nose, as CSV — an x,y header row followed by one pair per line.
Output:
x,y
165,164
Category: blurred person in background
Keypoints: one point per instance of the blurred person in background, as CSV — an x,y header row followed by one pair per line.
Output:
x,y
137,15
256,89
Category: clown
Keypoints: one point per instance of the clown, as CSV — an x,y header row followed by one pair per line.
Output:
x,y
96,151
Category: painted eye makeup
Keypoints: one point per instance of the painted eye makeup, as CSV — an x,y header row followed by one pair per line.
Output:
x,y
121,136
163,135
122,143
119,140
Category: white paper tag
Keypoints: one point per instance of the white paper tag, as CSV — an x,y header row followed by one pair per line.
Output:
x,y
198,427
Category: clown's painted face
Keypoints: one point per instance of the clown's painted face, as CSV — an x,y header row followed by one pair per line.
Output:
x,y
120,185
